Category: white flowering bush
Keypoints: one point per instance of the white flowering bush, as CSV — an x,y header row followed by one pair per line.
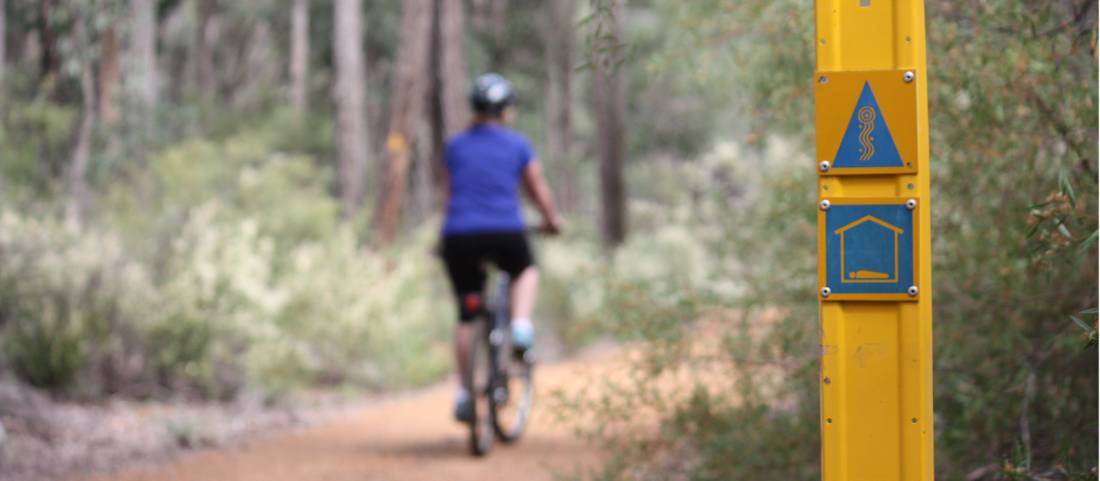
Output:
x,y
352,314
69,304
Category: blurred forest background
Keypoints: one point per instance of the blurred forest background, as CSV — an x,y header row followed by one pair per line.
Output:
x,y
204,198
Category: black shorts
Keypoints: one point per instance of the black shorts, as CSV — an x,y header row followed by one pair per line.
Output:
x,y
466,257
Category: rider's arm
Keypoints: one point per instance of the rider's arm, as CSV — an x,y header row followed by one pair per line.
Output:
x,y
539,191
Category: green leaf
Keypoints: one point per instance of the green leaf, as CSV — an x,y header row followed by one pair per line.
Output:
x,y
1067,187
1088,243
1081,323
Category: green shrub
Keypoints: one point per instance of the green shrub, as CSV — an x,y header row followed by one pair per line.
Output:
x,y
70,304
34,136
46,351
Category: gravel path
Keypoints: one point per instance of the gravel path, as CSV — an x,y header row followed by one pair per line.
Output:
x,y
407,438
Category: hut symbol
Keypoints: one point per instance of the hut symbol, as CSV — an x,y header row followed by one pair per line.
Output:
x,y
869,251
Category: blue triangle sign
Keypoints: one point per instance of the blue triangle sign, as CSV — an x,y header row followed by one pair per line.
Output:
x,y
867,141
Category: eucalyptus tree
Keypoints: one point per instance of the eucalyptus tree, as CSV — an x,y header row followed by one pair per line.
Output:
x,y
349,95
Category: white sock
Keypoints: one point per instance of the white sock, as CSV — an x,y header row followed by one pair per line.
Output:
x,y
523,324
462,394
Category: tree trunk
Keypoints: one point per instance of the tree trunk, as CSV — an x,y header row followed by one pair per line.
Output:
x,y
559,98
143,42
489,18
426,185
610,105
3,35
498,22
448,110
452,66
3,48
260,67
352,146
405,106
299,55
203,45
51,57
109,74
76,205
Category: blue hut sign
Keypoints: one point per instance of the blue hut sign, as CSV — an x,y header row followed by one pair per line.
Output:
x,y
869,249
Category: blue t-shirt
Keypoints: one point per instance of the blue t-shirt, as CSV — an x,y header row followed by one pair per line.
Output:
x,y
485,164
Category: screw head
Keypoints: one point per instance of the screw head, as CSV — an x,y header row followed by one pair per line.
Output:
x,y
909,76
913,291
911,204
824,166
825,291
823,79
825,204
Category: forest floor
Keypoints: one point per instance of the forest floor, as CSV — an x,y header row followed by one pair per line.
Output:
x,y
402,437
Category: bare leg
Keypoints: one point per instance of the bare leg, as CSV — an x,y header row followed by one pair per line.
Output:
x,y
525,289
464,336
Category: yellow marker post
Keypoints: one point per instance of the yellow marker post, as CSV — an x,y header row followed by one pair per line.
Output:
x,y
874,247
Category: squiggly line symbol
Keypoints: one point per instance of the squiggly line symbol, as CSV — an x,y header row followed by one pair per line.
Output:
x,y
866,126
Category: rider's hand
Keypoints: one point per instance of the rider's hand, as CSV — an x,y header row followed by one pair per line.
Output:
x,y
551,225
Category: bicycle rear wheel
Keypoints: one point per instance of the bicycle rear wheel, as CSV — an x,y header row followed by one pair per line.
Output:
x,y
513,394
481,426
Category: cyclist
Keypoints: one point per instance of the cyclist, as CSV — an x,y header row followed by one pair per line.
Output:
x,y
484,167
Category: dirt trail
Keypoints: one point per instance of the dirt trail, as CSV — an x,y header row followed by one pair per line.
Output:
x,y
403,439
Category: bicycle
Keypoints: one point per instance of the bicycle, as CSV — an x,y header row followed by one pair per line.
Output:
x,y
503,383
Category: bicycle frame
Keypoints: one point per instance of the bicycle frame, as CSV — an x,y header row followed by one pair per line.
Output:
x,y
499,328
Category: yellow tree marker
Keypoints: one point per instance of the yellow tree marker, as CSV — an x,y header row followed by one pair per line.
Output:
x,y
874,241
